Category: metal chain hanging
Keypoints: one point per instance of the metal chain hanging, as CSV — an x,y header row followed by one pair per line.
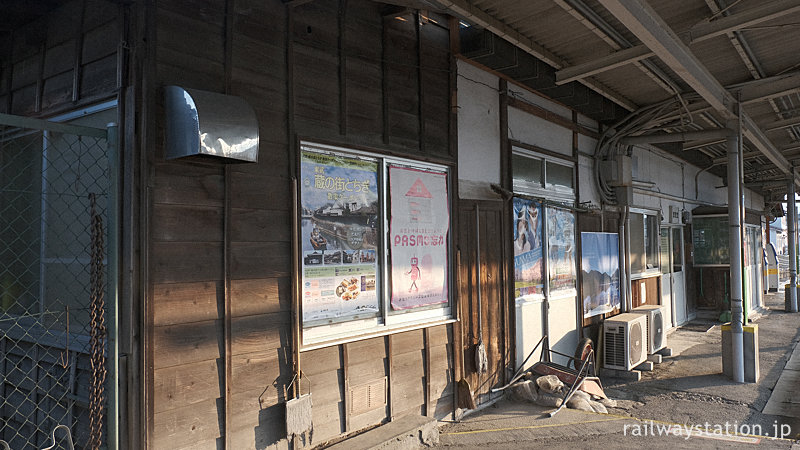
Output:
x,y
98,329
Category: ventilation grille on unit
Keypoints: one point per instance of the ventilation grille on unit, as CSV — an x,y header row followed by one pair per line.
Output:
x,y
615,346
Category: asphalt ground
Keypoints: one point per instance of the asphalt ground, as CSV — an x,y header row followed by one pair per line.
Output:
x,y
685,402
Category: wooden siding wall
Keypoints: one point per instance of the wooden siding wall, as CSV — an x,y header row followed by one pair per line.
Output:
x,y
331,71
494,311
64,59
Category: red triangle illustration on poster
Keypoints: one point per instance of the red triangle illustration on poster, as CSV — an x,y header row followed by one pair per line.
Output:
x,y
418,189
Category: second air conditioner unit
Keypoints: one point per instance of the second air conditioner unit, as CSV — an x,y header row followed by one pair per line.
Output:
x,y
624,341
656,332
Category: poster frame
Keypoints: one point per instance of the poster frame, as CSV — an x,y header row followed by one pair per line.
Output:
x,y
331,332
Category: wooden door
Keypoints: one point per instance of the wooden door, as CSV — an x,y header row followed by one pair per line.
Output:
x,y
482,242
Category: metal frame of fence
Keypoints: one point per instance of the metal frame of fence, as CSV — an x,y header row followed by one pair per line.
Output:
x,y
42,357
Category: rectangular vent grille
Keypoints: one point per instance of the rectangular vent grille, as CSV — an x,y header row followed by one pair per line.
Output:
x,y
367,397
648,337
615,347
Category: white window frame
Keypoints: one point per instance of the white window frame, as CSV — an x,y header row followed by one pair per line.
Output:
x,y
544,189
387,321
656,271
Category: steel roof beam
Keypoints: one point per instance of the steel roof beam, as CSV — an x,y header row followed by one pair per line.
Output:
x,y
781,124
698,33
651,29
466,10
766,88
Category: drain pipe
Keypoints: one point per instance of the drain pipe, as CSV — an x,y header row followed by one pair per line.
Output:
x,y
791,208
735,252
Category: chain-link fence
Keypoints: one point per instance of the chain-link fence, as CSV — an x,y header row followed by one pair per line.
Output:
x,y
54,195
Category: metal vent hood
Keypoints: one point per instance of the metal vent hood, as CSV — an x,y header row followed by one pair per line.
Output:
x,y
209,124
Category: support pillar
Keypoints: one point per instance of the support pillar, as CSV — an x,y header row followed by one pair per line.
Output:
x,y
735,251
791,209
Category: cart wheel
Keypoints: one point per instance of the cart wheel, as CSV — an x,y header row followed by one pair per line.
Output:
x,y
582,351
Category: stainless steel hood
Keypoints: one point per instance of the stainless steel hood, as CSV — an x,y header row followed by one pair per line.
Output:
x,y
209,124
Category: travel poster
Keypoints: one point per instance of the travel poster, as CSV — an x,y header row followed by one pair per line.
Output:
x,y
527,248
561,249
339,235
600,273
418,229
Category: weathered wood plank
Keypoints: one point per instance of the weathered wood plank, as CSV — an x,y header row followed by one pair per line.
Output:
x,y
175,303
326,388
328,422
365,372
409,341
440,335
368,419
322,360
260,333
179,386
408,397
188,184
176,262
266,371
260,296
59,59
253,191
260,225
366,350
100,42
408,365
57,90
175,31
187,343
99,77
183,223
193,425
260,260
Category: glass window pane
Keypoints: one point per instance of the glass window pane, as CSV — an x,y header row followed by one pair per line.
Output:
x,y
526,170
637,243
677,250
665,250
559,175
651,241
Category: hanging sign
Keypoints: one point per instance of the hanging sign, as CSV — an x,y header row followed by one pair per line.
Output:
x,y
418,237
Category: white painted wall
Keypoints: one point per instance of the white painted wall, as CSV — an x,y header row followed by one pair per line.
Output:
x,y
536,131
676,178
478,125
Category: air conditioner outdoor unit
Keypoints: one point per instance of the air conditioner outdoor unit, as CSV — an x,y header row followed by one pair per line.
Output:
x,y
656,332
624,341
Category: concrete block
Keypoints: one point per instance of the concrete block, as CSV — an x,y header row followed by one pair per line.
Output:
x,y
655,358
633,375
752,371
406,432
666,351
646,366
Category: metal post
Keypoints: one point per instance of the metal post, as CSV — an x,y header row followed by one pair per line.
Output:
x,y
623,260
791,208
112,212
735,251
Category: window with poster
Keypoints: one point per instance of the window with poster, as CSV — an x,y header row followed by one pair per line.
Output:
x,y
644,240
544,230
374,241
